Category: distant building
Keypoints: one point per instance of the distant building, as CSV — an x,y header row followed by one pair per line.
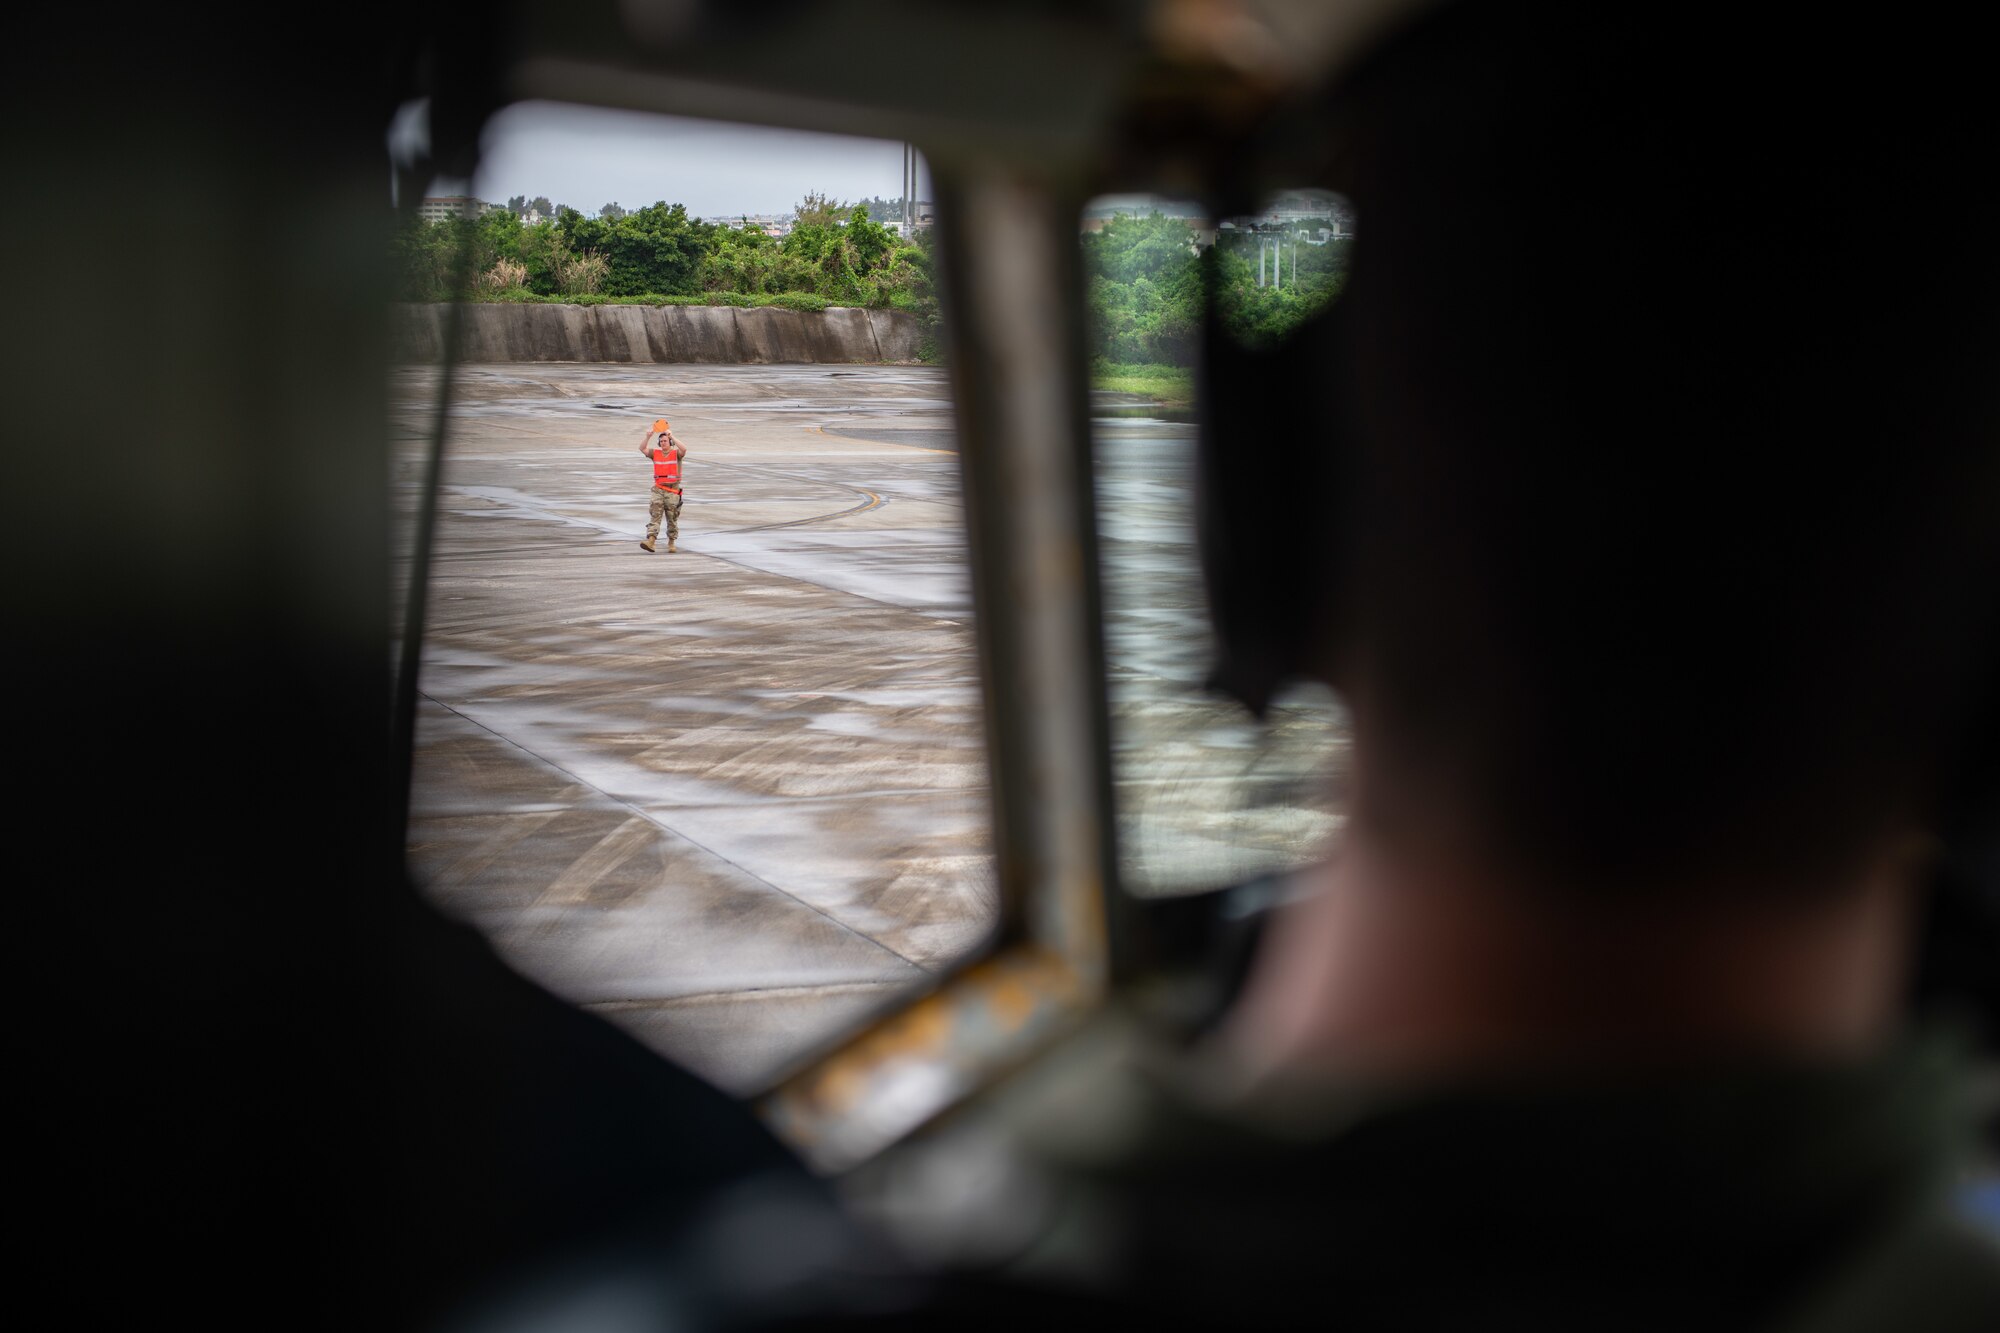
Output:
x,y
926,215
1301,207
1141,205
1201,232
452,206
769,223
1313,215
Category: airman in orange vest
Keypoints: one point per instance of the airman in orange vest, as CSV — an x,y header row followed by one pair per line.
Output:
x,y
666,453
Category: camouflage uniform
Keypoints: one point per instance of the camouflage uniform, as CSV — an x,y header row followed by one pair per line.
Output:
x,y
668,504
665,503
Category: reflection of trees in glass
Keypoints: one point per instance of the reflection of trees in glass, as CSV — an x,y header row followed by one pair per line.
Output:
x,y
1148,279
1311,276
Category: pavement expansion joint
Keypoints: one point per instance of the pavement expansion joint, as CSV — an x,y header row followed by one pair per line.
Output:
x,y
666,828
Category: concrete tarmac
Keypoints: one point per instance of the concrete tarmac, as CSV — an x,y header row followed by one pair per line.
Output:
x,y
733,798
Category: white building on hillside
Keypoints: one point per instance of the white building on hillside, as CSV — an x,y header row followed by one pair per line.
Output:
x,y
452,206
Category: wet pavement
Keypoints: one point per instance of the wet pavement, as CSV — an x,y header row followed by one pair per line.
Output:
x,y
735,799
1207,796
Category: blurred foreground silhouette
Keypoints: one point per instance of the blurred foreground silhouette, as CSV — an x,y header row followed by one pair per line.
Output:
x,y
1645,521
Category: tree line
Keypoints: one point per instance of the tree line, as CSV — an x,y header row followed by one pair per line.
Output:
x,y
835,254
1147,284
1148,288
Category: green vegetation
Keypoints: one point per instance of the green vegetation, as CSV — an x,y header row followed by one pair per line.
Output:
x,y
659,255
783,300
1266,316
1173,386
1148,288
884,210
1143,291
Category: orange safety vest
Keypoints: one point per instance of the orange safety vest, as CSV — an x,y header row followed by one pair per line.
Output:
x,y
667,470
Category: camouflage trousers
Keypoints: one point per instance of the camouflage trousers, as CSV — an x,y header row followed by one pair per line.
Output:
x,y
668,504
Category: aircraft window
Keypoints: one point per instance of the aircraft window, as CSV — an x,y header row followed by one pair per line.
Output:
x,y
1206,794
731,792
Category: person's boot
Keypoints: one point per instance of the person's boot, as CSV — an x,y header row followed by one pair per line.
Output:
x,y
647,545
671,548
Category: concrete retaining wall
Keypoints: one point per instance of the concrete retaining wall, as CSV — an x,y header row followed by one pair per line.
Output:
x,y
705,335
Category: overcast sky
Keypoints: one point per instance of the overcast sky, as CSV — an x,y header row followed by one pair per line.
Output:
x,y
587,157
